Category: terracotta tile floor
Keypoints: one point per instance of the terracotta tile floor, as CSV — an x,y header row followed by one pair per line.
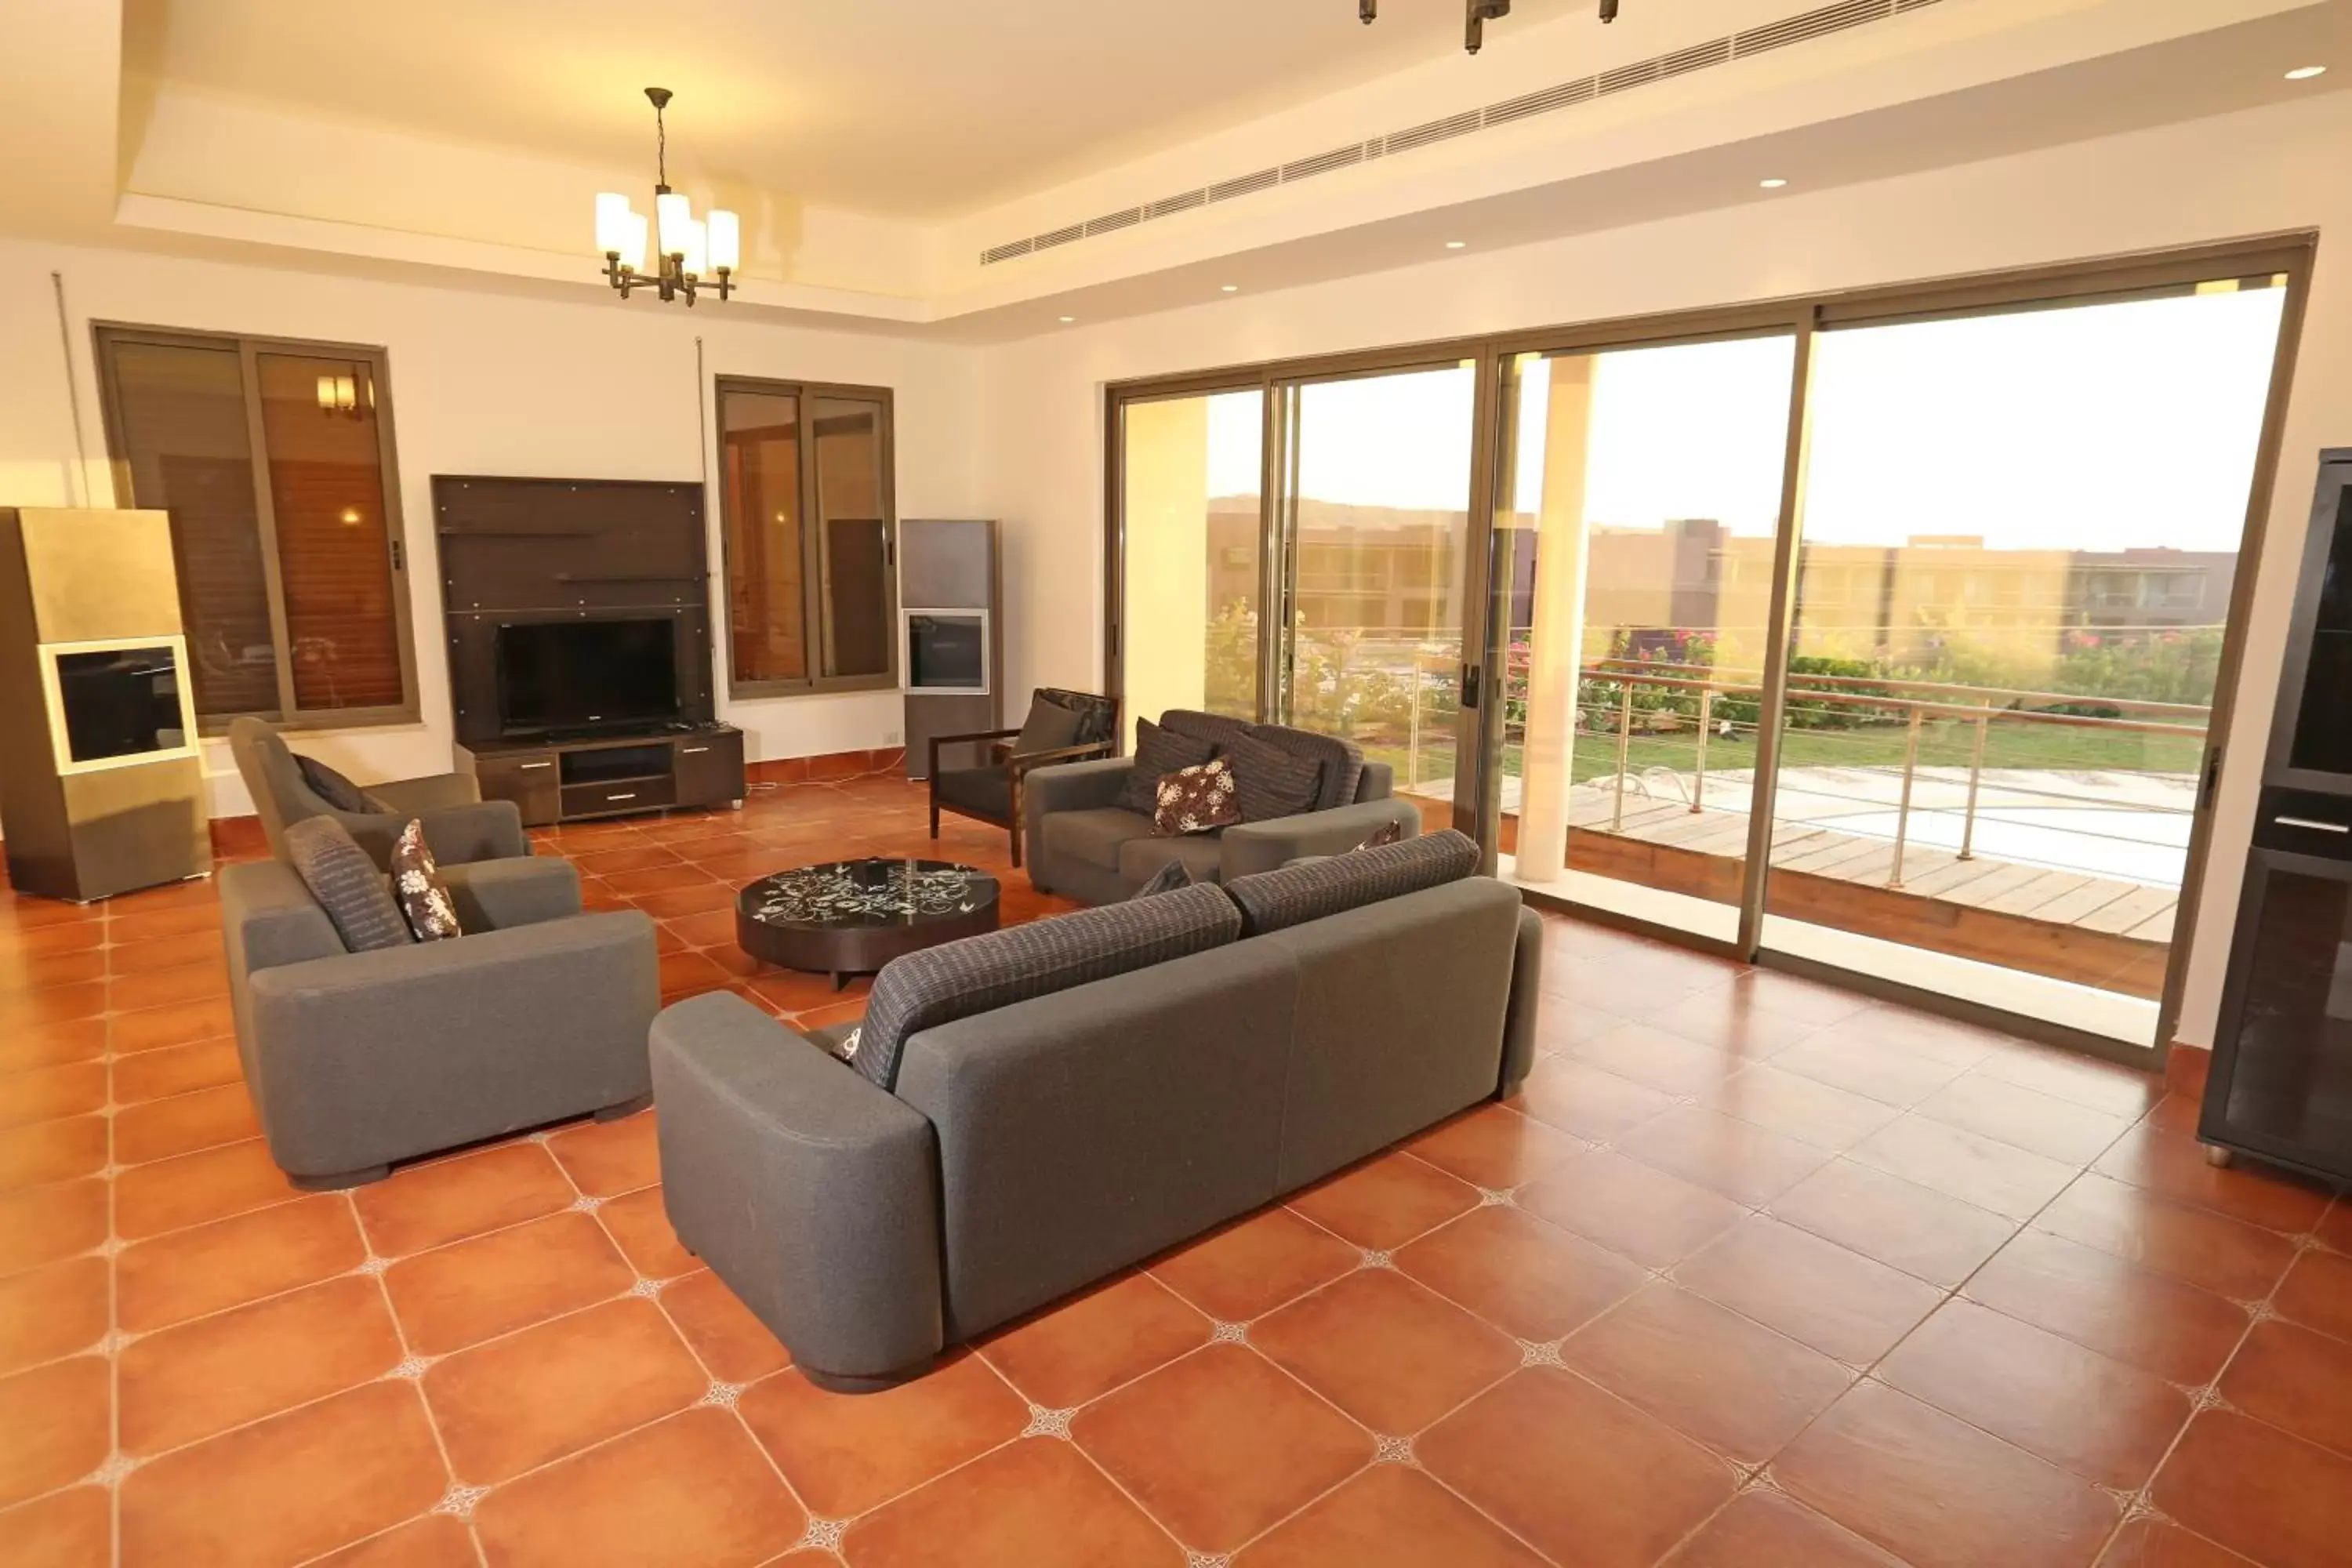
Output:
x,y
1753,1273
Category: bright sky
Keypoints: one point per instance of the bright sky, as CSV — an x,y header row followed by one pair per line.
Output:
x,y
2096,427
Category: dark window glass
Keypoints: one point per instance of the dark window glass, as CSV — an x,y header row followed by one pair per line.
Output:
x,y
119,702
805,500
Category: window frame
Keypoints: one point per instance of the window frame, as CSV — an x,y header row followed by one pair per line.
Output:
x,y
740,687
289,714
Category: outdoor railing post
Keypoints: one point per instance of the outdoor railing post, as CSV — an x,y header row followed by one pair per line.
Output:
x,y
1902,812
1706,722
1976,771
1624,751
1413,729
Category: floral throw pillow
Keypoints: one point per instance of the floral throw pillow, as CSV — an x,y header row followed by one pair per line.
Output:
x,y
1198,799
417,886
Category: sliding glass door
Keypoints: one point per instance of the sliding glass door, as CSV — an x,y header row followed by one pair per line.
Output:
x,y
1637,502
2020,534
1372,509
1882,632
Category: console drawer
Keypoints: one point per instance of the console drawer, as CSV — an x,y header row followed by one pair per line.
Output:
x,y
527,778
710,768
605,799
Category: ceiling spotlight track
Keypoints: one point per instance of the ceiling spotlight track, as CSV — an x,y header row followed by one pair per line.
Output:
x,y
1476,15
688,247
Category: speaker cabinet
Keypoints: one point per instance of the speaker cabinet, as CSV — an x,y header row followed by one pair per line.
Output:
x,y
101,786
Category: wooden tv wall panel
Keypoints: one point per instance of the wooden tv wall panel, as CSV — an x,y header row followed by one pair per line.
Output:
x,y
518,550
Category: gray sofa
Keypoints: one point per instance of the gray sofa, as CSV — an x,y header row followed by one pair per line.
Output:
x,y
359,1059
459,825
1084,844
1024,1150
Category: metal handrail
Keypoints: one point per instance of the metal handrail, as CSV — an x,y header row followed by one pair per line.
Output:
x,y
1913,711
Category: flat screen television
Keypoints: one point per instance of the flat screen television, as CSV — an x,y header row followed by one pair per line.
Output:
x,y
586,675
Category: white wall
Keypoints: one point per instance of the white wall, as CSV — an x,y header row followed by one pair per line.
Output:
x,y
482,384
2263,172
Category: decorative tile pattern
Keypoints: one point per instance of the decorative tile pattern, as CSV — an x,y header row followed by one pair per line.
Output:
x,y
503,1352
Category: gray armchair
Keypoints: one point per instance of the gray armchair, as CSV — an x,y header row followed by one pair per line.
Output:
x,y
459,825
359,1059
1084,844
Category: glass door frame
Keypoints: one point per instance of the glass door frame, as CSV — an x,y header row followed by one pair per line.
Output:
x,y
1477,800
1277,383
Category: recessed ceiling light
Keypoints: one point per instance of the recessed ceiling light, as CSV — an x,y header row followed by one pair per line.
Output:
x,y
1456,244
1233,288
1068,320
2304,73
1774,183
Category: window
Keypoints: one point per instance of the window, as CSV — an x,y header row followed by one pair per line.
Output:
x,y
810,531
275,462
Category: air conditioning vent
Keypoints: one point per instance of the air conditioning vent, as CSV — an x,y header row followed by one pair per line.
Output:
x,y
1698,56
1443,130
1817,23
1542,102
1226,190
1323,162
1638,75
1813,25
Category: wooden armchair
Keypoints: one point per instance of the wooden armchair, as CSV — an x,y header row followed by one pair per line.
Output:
x,y
1062,727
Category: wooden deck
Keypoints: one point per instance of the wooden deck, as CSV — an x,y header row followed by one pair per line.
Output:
x,y
2093,931
2106,905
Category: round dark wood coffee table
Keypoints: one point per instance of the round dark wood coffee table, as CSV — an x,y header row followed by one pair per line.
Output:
x,y
852,917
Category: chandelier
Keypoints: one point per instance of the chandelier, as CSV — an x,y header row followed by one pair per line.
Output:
x,y
689,247
1477,14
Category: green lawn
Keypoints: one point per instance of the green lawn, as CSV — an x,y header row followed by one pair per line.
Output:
x,y
1942,743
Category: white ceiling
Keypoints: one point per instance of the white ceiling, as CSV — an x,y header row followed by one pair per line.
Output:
x,y
920,109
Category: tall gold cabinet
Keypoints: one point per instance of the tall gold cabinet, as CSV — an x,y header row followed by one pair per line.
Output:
x,y
101,789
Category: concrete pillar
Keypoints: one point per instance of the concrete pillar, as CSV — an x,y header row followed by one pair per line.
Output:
x,y
1555,650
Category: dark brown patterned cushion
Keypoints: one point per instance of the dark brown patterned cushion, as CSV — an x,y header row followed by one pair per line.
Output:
x,y
1310,889
346,883
1159,753
1196,800
416,882
332,786
979,973
1272,783
1389,832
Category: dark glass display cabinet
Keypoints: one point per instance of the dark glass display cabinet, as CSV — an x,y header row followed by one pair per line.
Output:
x,y
2280,1087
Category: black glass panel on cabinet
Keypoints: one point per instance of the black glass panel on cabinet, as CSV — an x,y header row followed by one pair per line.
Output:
x,y
120,703
2292,1078
2323,731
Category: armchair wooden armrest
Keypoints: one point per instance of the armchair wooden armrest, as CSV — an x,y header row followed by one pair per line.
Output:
x,y
938,741
1022,762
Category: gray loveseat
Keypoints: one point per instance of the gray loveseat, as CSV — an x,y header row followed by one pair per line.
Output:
x,y
358,1060
1084,844
1017,1154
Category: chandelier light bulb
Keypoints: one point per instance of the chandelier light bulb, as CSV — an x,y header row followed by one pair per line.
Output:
x,y
633,242
671,215
695,248
611,222
723,234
